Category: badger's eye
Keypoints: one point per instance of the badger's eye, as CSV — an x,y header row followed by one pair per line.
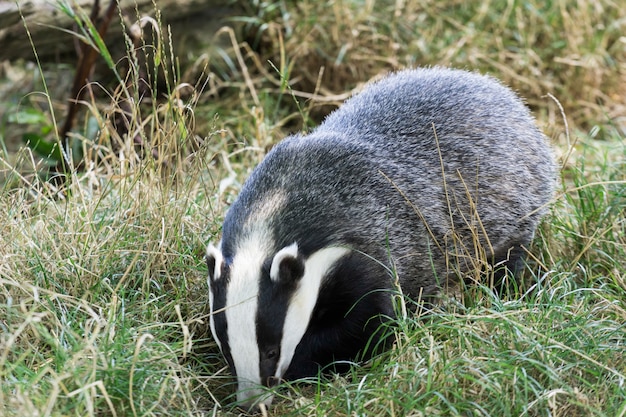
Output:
x,y
268,364
272,354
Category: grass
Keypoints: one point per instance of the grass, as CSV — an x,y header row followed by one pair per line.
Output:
x,y
102,284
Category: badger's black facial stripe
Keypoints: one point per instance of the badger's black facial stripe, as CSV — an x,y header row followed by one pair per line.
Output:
x,y
273,304
219,291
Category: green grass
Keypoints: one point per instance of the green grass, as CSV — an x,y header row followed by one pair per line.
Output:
x,y
102,284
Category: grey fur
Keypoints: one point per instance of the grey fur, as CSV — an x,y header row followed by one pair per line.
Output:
x,y
370,177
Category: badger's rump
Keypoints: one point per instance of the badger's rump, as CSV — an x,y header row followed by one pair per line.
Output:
x,y
424,171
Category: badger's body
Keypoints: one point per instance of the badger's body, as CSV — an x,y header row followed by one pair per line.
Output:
x,y
411,180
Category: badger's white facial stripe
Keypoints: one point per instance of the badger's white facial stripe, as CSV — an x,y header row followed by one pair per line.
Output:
x,y
249,394
290,251
303,302
216,254
265,209
241,309
211,319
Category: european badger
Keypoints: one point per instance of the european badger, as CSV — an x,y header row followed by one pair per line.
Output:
x,y
408,182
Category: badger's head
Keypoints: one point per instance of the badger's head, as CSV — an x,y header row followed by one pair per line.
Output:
x,y
261,304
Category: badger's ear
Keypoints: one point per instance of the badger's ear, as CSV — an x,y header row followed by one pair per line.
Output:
x,y
287,266
214,261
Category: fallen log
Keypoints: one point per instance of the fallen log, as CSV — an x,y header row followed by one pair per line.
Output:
x,y
48,25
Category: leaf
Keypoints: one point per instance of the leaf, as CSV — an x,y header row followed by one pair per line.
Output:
x,y
43,147
28,116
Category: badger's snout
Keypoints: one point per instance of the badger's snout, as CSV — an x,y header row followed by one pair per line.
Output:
x,y
250,399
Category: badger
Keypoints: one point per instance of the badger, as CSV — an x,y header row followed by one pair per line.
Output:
x,y
401,189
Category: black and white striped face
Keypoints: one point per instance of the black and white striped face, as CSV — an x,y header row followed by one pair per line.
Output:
x,y
260,308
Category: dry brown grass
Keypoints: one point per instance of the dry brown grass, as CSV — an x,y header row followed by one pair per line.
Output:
x,y
575,51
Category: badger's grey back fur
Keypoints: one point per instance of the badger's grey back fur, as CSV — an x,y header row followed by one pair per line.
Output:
x,y
408,174
371,175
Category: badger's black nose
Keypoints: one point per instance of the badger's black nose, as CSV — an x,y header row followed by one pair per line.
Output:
x,y
272,381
